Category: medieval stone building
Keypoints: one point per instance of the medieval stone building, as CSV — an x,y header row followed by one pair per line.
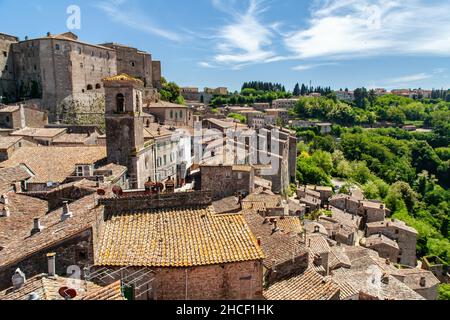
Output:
x,y
57,67
125,128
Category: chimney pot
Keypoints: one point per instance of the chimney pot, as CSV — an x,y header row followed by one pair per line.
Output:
x,y
259,241
36,226
18,279
33,296
51,259
423,281
66,212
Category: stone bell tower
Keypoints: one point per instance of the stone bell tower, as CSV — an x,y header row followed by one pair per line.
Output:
x,y
124,122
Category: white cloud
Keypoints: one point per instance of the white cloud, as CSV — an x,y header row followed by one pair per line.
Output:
x,y
410,78
344,29
246,39
118,12
304,67
205,64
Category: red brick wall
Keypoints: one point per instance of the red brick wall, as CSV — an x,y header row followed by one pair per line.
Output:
x,y
217,282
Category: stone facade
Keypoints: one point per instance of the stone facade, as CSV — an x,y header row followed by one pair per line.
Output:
x,y
53,68
125,130
17,117
405,237
138,200
7,76
371,211
135,63
76,250
171,114
234,281
226,181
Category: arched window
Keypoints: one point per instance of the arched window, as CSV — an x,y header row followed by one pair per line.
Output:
x,y
98,86
181,114
120,103
89,87
79,50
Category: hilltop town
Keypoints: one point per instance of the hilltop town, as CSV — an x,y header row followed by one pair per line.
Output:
x,y
117,185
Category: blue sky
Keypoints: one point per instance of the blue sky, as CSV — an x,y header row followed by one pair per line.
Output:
x,y
337,43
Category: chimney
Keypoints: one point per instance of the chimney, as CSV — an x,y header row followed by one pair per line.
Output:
x,y
5,201
275,225
51,257
259,241
423,281
49,34
18,279
34,296
66,212
385,278
382,206
36,226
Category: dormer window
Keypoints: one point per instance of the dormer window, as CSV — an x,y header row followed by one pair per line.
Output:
x,y
120,103
84,171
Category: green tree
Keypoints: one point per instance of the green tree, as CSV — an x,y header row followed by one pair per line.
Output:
x,y
297,91
444,292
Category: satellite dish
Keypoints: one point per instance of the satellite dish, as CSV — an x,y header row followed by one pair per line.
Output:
x,y
101,192
67,293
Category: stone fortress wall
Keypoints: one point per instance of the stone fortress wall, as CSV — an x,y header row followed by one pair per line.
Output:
x,y
61,70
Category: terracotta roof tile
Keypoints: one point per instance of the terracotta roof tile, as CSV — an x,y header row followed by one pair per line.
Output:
x,y
23,210
54,230
13,174
47,288
306,286
7,142
278,246
110,293
122,77
54,164
181,237
39,132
